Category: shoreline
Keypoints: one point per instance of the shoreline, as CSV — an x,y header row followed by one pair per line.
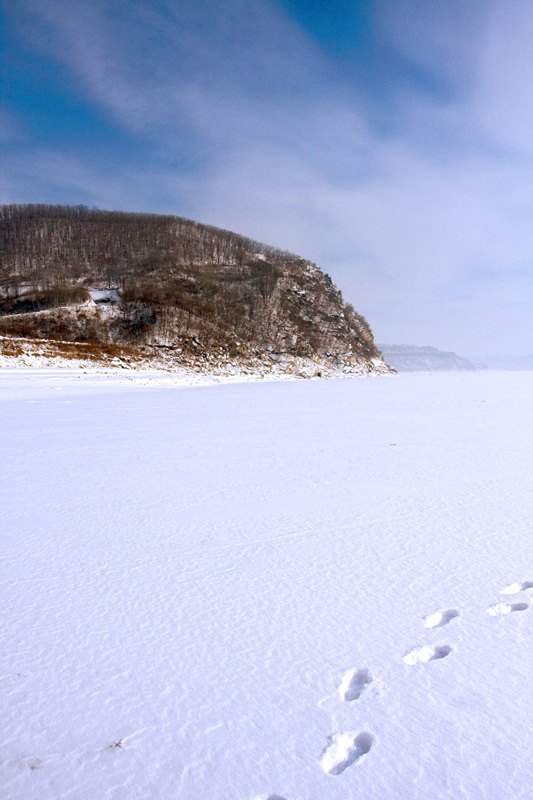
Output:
x,y
109,362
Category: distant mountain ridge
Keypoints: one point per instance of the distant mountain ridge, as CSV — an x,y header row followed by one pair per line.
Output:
x,y
210,298
410,358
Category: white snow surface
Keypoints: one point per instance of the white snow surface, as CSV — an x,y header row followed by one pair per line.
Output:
x,y
223,592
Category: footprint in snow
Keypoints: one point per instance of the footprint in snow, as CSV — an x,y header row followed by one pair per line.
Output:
x,y
354,683
343,750
501,609
428,652
514,588
271,797
440,618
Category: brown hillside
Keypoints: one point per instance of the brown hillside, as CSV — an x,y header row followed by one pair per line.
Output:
x,y
149,281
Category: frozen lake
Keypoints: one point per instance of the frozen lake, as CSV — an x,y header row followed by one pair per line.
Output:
x,y
273,590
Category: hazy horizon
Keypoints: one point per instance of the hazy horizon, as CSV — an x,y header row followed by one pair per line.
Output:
x,y
388,142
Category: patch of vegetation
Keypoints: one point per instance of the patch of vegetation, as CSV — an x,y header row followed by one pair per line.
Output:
x,y
36,300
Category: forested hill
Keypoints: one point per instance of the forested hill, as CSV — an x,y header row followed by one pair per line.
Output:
x,y
146,280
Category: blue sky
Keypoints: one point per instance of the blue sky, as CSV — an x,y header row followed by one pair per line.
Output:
x,y
390,141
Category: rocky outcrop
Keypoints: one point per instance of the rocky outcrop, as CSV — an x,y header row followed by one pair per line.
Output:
x,y
172,288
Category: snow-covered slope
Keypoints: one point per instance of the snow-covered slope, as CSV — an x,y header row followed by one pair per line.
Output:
x,y
409,358
310,590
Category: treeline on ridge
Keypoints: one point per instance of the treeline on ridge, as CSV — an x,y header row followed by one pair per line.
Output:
x,y
40,243
176,278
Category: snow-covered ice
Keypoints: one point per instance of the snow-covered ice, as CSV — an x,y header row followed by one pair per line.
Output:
x,y
187,573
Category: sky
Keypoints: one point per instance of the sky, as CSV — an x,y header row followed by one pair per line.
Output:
x,y
389,141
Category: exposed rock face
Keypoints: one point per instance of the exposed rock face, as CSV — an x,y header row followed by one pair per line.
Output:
x,y
408,358
163,284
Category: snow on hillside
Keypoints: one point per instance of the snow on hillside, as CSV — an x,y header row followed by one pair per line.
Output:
x,y
173,365
314,590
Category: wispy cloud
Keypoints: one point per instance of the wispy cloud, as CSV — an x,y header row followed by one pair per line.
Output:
x,y
415,195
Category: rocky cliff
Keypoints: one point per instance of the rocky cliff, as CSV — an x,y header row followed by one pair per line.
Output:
x,y
166,287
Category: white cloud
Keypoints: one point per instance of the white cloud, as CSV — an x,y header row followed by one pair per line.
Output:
x,y
505,97
427,230
444,38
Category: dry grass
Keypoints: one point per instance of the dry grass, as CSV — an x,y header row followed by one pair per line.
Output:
x,y
116,744
11,347
95,352
39,300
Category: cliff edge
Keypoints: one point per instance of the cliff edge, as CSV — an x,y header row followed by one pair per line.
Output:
x,y
169,290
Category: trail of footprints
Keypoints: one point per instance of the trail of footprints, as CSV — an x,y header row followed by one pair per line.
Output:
x,y
342,750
